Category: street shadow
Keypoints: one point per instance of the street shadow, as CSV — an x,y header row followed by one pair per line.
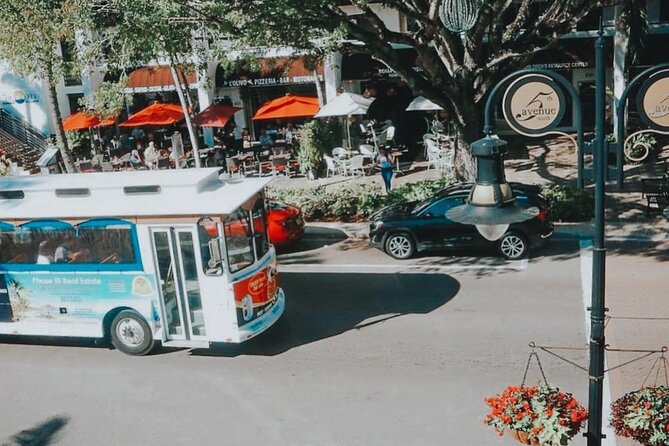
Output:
x,y
486,262
315,237
43,434
319,306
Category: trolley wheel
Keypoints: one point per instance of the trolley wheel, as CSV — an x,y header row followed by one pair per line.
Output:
x,y
512,246
131,334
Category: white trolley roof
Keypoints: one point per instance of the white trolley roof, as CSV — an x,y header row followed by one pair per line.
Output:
x,y
128,194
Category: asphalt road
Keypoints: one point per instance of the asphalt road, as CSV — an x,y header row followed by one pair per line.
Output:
x,y
369,352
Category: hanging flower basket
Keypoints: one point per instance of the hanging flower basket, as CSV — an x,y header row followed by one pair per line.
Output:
x,y
643,415
538,415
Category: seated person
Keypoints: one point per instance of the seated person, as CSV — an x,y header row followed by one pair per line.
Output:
x,y
97,160
62,254
265,140
42,254
135,159
151,156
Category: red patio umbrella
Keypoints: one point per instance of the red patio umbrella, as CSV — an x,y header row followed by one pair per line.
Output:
x,y
288,106
82,120
157,114
216,115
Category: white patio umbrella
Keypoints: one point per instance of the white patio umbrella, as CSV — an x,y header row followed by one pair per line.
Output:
x,y
421,103
346,104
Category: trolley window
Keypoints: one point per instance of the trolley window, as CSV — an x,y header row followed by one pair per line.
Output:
x,y
238,240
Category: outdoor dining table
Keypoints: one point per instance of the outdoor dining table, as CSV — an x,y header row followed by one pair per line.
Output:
x,y
396,153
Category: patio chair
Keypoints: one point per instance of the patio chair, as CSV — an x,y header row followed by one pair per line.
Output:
x,y
356,164
163,163
106,166
280,165
367,151
331,166
85,166
233,165
339,152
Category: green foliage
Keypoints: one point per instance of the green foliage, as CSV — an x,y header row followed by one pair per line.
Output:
x,y
315,140
32,29
108,100
353,202
568,203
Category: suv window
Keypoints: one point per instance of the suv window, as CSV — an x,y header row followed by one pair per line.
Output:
x,y
439,208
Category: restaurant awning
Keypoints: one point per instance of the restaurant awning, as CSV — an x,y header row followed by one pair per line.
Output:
x,y
156,114
271,71
216,115
157,78
288,106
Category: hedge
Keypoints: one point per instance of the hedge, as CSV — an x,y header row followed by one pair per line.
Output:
x,y
356,202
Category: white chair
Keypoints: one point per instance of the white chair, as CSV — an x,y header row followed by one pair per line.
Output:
x,y
107,166
357,164
331,166
367,151
339,152
390,135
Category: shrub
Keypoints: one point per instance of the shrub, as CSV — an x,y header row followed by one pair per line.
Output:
x,y
314,140
353,202
568,204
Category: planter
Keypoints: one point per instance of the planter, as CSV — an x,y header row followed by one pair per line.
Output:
x,y
522,437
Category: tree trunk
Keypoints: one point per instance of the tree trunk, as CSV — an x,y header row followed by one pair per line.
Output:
x,y
184,106
469,128
319,88
57,124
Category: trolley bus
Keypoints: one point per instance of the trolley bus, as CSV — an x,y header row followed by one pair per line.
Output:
x,y
180,258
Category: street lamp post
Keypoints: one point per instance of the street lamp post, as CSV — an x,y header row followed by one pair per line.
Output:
x,y
597,306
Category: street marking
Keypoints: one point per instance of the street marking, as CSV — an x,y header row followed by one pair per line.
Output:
x,y
517,265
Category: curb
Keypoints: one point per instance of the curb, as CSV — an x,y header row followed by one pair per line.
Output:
x,y
656,232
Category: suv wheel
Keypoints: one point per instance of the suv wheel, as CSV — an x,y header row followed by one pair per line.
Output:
x,y
400,246
512,246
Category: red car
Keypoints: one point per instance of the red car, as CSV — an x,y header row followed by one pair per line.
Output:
x,y
285,223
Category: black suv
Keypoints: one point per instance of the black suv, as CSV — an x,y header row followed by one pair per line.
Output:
x,y
403,229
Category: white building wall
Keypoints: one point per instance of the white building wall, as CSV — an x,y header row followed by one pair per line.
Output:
x,y
24,99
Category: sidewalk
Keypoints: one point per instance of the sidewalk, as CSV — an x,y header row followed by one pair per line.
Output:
x,y
548,162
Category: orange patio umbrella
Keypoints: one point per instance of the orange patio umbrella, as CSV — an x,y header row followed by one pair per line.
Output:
x,y
82,120
216,115
288,106
158,114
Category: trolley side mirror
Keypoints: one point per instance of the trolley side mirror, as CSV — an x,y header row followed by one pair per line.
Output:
x,y
215,263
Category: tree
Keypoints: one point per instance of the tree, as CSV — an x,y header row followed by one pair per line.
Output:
x,y
458,70
32,34
132,33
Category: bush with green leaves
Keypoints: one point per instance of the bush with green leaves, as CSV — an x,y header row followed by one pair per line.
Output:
x,y
314,140
354,202
568,204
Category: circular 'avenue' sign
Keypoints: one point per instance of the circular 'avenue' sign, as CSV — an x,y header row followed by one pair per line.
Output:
x,y
533,104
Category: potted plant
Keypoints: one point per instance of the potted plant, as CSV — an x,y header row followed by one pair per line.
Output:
x,y
537,415
643,415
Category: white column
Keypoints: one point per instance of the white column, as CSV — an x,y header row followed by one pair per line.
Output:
x,y
332,73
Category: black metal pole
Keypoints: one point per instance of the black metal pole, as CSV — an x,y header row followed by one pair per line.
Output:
x,y
597,309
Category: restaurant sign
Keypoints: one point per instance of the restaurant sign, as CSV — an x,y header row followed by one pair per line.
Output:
x,y
269,81
533,104
653,101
